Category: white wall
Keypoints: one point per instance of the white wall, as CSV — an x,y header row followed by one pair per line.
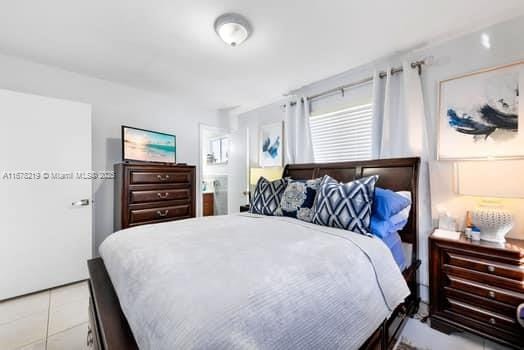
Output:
x,y
253,120
453,57
113,105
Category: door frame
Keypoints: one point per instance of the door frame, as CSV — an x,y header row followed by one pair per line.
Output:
x,y
200,173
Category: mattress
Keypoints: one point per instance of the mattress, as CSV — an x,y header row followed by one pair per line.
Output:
x,y
251,282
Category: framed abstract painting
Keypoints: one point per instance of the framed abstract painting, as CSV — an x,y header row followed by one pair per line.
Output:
x,y
480,116
271,145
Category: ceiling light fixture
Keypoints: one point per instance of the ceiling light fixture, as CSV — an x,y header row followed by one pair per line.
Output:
x,y
233,28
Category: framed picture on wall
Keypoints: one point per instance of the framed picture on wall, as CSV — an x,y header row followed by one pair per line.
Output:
x,y
271,145
480,116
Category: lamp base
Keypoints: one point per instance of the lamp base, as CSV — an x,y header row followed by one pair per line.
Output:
x,y
493,224
489,238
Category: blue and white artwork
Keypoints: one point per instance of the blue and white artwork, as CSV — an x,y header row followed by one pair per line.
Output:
x,y
480,115
271,145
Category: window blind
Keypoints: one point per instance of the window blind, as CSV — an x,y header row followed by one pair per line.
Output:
x,y
342,135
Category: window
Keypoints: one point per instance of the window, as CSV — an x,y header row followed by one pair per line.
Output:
x,y
342,135
218,151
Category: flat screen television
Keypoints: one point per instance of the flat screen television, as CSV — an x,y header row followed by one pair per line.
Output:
x,y
147,146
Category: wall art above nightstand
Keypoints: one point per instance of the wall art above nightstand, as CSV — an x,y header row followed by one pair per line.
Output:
x,y
480,115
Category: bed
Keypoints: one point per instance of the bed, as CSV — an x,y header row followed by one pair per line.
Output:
x,y
156,304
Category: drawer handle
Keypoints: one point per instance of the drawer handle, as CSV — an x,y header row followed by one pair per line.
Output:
x,y
491,268
162,196
492,321
491,294
162,178
162,214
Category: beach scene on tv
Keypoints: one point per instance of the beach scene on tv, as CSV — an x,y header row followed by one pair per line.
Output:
x,y
149,146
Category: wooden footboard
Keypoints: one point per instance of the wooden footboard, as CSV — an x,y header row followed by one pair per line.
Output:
x,y
108,327
109,330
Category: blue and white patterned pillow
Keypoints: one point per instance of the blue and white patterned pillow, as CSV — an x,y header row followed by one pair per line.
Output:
x,y
267,196
345,205
298,199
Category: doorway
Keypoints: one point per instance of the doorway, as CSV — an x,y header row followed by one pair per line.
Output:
x,y
214,162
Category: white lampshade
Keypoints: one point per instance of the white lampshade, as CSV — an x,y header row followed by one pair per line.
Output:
x,y
492,178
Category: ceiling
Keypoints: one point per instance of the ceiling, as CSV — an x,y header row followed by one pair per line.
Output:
x,y
170,45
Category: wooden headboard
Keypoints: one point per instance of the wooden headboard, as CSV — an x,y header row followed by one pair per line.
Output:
x,y
397,174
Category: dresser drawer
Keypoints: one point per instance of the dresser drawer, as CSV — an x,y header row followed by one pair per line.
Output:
x,y
158,214
485,266
160,195
493,293
484,316
143,177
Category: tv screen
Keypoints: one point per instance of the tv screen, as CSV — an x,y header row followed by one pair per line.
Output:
x,y
147,146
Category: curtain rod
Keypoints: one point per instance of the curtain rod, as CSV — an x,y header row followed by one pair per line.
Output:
x,y
381,75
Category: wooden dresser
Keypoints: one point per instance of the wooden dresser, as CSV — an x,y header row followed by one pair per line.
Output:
x,y
477,287
150,193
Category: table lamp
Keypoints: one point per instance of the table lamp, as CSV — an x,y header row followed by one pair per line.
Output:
x,y
495,180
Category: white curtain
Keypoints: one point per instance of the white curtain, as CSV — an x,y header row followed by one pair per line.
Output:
x,y
298,145
401,131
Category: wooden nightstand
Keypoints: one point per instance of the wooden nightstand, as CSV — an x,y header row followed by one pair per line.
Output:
x,y
477,287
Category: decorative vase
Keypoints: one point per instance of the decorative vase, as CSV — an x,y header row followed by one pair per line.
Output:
x,y
493,224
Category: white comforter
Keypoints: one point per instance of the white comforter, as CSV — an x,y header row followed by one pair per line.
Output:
x,y
251,282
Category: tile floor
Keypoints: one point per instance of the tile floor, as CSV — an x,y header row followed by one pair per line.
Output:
x,y
57,320
52,320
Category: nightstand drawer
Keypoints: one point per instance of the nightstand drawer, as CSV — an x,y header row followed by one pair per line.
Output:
x,y
485,317
485,266
509,338
504,296
481,277
482,303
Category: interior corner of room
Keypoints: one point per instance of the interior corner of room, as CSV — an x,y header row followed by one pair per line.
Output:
x,y
182,113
